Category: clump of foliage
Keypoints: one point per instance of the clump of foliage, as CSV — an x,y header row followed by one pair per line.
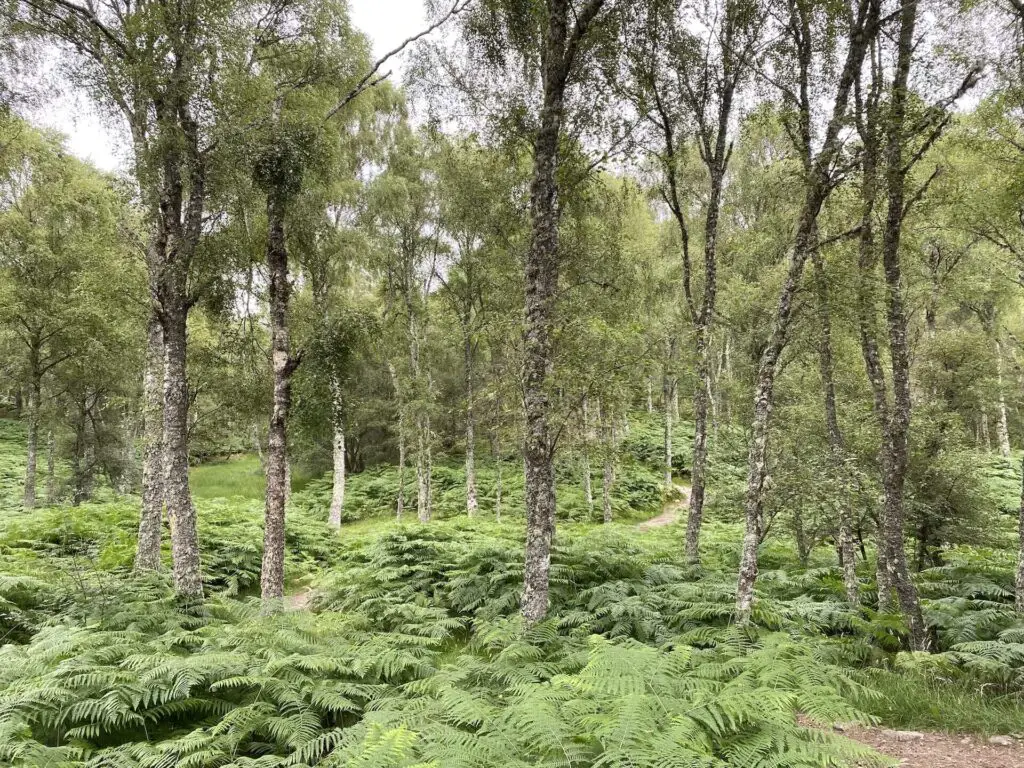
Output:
x,y
415,655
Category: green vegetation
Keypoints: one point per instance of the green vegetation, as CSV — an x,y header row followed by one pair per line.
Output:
x,y
637,385
412,651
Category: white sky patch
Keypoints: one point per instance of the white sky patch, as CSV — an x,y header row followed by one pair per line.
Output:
x,y
102,140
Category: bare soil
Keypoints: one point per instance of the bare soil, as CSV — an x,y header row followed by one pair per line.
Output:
x,y
299,601
671,512
939,750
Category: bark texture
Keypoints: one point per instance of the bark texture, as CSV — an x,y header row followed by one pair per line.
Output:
x,y
284,365
1002,426
181,513
1019,584
896,429
588,488
32,447
338,473
147,552
51,470
559,50
837,446
608,477
666,419
472,504
818,171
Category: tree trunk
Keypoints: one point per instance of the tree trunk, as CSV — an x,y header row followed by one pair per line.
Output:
x,y
51,470
34,397
764,397
257,446
496,455
338,456
181,513
588,490
471,500
541,280
422,470
1002,425
667,430
608,433
1019,601
169,259
896,430
278,290
819,171
702,400
986,439
836,443
650,395
147,552
400,495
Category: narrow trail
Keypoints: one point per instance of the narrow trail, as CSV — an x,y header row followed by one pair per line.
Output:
x,y
914,749
671,512
298,601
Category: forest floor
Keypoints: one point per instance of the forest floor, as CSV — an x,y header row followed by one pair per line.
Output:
x,y
671,512
915,749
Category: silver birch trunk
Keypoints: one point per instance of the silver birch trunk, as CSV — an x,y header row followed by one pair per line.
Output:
x,y
608,478
1002,425
338,459
588,490
667,431
284,365
819,186
51,470
181,513
34,393
471,499
1019,584
147,553
338,478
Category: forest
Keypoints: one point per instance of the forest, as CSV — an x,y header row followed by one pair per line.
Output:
x,y
578,383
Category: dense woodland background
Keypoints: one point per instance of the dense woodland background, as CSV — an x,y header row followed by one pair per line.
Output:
x,y
328,423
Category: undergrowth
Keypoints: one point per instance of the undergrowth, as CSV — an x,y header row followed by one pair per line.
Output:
x,y
413,653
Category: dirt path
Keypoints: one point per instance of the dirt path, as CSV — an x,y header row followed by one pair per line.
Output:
x,y
298,601
913,749
671,511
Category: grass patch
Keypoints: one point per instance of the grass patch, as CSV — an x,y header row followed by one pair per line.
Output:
x,y
918,700
238,477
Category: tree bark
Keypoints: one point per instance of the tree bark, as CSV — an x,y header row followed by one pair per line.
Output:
x,y
588,489
147,552
338,474
423,505
400,495
496,454
1019,592
51,470
608,480
180,511
32,447
541,281
284,365
666,416
836,443
169,260
1002,425
471,500
819,186
896,437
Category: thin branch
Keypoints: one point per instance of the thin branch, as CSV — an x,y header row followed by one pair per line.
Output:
x,y
370,79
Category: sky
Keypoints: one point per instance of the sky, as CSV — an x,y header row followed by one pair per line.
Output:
x,y
101,140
